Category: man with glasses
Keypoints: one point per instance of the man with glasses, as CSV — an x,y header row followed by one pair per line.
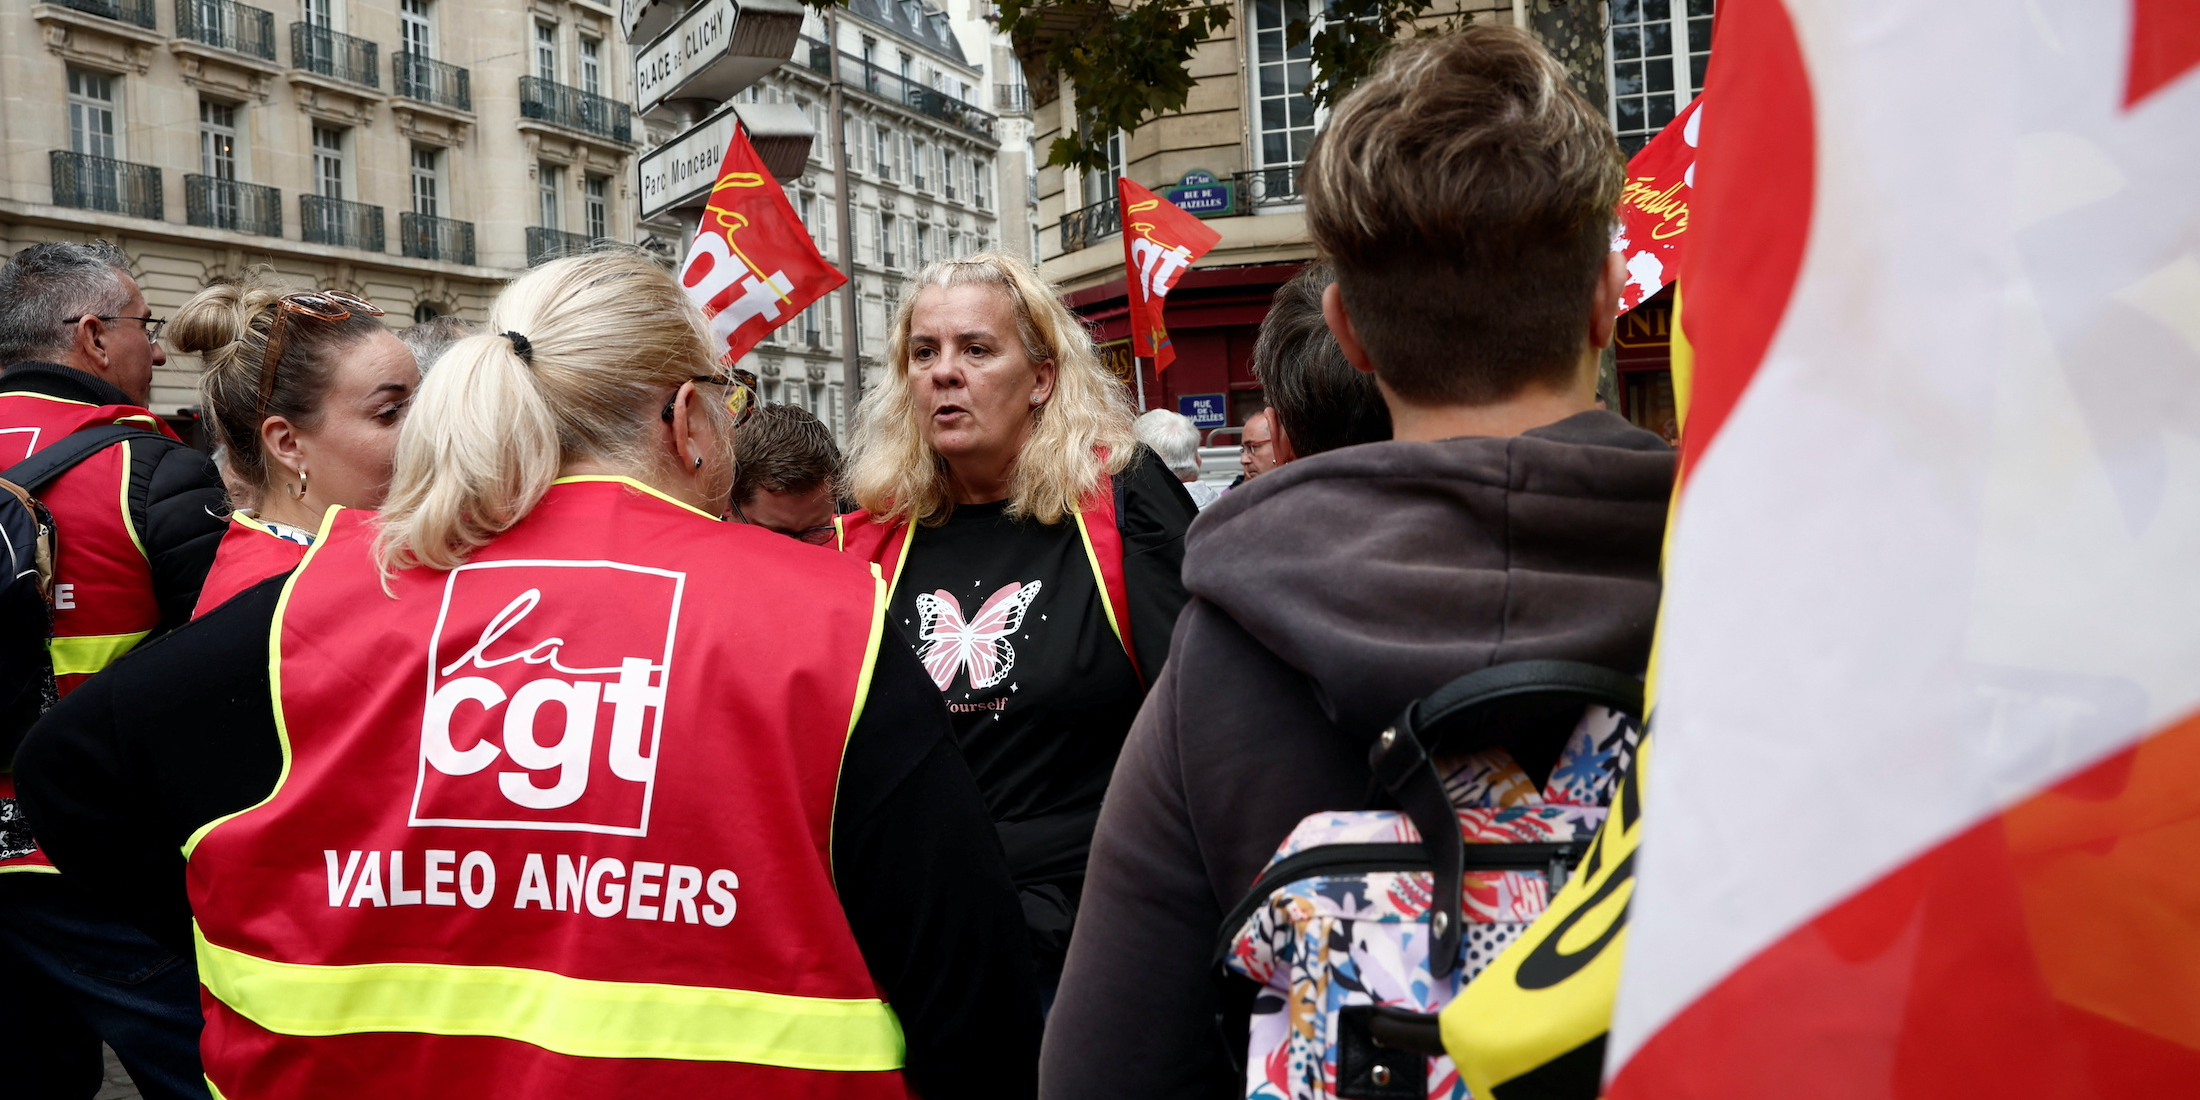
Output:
x,y
137,524
785,469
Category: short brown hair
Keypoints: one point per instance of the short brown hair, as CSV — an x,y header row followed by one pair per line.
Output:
x,y
782,449
1464,194
1321,400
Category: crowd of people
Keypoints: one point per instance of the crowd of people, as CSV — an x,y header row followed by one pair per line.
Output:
x,y
970,736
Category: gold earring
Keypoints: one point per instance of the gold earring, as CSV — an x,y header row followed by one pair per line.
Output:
x,y
300,491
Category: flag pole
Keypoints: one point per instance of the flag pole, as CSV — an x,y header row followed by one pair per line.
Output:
x,y
851,367
1139,372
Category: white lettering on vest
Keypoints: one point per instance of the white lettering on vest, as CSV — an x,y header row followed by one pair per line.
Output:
x,y
571,877
337,885
569,755
722,885
64,597
477,863
682,883
604,898
398,894
534,883
440,877
435,732
370,882
643,888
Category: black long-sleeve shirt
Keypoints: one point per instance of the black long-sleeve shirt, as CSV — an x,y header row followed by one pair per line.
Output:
x,y
118,776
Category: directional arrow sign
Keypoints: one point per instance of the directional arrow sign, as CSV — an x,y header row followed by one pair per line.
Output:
x,y
718,48
681,171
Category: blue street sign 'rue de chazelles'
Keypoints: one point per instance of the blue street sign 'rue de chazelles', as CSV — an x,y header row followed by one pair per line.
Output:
x,y
1198,194
1204,410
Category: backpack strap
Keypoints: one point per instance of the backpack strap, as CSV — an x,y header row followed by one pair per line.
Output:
x,y
1470,706
39,470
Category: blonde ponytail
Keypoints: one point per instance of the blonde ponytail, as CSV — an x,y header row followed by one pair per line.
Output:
x,y
606,334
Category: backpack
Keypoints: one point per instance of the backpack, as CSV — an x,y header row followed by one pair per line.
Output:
x,y
1366,923
28,543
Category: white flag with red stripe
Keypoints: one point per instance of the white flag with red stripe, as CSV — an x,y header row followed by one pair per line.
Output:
x,y
1927,787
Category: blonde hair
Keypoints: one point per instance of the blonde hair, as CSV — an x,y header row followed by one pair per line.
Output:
x,y
895,474
609,332
227,326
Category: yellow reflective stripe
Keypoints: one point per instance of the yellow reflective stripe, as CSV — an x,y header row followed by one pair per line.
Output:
x,y
1100,581
210,1087
633,484
576,1016
30,869
129,524
88,653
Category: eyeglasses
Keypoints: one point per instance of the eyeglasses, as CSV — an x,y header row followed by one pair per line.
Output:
x,y
321,305
152,324
816,536
1253,448
740,395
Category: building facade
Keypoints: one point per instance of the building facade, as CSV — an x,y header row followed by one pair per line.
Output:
x,y
1246,130
416,152
923,164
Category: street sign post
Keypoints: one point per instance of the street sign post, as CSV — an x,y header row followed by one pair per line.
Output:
x,y
681,171
718,48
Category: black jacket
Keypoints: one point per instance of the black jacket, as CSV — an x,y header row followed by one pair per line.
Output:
x,y
1327,594
176,495
182,731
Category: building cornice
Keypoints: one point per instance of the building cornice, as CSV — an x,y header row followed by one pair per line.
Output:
x,y
102,223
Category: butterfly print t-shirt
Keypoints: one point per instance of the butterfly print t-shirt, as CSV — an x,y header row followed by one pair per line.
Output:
x,y
1009,622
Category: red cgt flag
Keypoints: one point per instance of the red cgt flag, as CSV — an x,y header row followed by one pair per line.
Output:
x,y
752,266
1653,207
1159,243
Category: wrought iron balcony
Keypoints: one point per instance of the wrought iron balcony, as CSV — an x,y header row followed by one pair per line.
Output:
x,y
1268,187
228,25
232,205
544,245
1012,99
863,76
323,220
427,237
432,81
98,183
138,12
335,54
1097,222
574,109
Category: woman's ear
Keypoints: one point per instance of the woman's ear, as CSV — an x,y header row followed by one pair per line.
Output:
x,y
693,436
280,446
1042,385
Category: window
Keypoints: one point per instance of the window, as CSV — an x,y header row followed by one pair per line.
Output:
x,y
1656,54
217,140
596,190
924,244
882,162
906,63
427,174
414,29
917,149
886,228
1283,115
328,161
548,178
546,51
947,171
318,13
592,66
980,174
954,245
1100,186
92,114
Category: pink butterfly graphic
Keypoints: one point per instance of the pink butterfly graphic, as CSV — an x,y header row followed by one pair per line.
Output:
x,y
980,644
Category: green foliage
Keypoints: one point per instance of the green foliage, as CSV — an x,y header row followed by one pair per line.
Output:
x,y
1128,64
1349,41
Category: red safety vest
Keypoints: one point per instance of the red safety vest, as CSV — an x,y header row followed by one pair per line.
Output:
x,y
249,553
556,823
103,600
885,544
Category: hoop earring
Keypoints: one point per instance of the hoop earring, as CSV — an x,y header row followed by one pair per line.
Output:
x,y
300,491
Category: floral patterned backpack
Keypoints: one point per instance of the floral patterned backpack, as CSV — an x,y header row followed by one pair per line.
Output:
x,y
1358,931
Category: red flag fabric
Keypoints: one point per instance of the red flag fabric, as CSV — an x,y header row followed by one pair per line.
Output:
x,y
752,266
1159,244
1653,208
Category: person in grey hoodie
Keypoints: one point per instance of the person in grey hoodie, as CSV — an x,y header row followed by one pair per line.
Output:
x,y
1463,195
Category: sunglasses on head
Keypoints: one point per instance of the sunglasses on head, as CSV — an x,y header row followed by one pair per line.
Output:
x,y
740,394
321,305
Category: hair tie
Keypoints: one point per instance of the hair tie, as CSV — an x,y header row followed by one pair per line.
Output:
x,y
523,346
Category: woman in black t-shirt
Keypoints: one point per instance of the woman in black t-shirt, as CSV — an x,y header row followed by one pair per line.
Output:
x,y
1033,546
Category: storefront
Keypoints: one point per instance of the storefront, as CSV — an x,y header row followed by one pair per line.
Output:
x,y
1644,350
1214,316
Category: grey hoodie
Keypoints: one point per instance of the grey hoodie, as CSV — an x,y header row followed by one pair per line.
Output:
x,y
1328,594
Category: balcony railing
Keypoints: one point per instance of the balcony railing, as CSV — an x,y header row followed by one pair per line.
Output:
x,y
432,81
228,25
98,183
574,109
886,259
427,237
345,224
1268,187
869,78
232,205
1097,222
1012,99
139,12
544,245
335,54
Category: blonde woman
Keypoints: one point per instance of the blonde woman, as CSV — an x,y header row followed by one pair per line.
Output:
x,y
306,391
1033,548
563,786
